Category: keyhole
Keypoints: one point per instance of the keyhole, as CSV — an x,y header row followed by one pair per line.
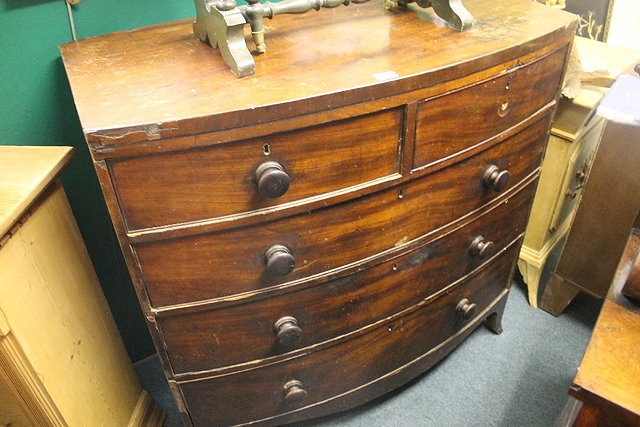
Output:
x,y
266,149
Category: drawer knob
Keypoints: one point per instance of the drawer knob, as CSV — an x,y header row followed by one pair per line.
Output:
x,y
496,179
280,262
287,330
481,248
272,180
294,393
466,308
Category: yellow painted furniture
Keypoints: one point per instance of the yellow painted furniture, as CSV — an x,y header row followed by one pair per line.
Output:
x,y
62,361
572,142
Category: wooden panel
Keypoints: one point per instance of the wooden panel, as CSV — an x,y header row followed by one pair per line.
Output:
x,y
459,120
11,411
52,302
219,180
26,172
607,378
169,83
188,269
245,332
606,212
232,399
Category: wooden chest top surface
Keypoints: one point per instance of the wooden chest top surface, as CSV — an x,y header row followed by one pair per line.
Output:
x,y
162,81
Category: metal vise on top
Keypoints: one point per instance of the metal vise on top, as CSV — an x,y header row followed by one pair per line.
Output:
x,y
221,23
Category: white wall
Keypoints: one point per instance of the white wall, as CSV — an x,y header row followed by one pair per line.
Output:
x,y
625,24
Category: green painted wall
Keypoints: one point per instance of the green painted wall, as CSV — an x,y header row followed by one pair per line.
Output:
x,y
36,108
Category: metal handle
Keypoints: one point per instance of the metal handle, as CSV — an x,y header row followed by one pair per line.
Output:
x,y
481,248
294,392
466,308
287,330
272,180
280,261
496,179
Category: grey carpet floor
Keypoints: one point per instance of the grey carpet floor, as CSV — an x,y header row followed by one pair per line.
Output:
x,y
519,378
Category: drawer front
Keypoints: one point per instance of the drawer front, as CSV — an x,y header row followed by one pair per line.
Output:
x,y
258,393
227,263
454,122
247,332
221,180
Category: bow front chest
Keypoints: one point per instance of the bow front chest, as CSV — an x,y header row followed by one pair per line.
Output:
x,y
308,238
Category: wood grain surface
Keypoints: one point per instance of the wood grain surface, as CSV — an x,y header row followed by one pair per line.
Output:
x,y
452,123
244,332
607,381
26,172
189,269
388,346
219,180
380,241
161,81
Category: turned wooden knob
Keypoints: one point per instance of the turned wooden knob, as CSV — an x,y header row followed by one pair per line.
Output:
x,y
481,248
294,392
495,179
287,330
279,260
466,308
272,180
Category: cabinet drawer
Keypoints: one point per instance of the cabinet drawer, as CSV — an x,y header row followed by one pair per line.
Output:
x,y
232,262
258,393
220,180
452,123
245,332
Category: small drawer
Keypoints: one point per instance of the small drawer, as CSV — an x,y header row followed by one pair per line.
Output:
x,y
236,261
265,328
267,391
250,175
452,123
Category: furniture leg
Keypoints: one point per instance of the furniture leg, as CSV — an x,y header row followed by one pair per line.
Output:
x,y
531,275
494,320
557,295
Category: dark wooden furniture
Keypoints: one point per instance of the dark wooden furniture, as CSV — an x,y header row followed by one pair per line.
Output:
x,y
311,237
607,381
606,212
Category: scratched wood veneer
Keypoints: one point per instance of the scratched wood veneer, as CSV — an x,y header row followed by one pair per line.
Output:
x,y
290,234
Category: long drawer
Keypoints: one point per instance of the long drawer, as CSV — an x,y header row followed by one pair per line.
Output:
x,y
221,180
263,392
269,327
454,122
232,262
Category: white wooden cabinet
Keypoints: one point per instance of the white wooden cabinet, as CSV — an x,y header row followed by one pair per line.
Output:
x,y
62,361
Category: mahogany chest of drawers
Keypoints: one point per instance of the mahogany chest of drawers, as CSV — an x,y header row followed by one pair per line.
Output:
x,y
308,238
